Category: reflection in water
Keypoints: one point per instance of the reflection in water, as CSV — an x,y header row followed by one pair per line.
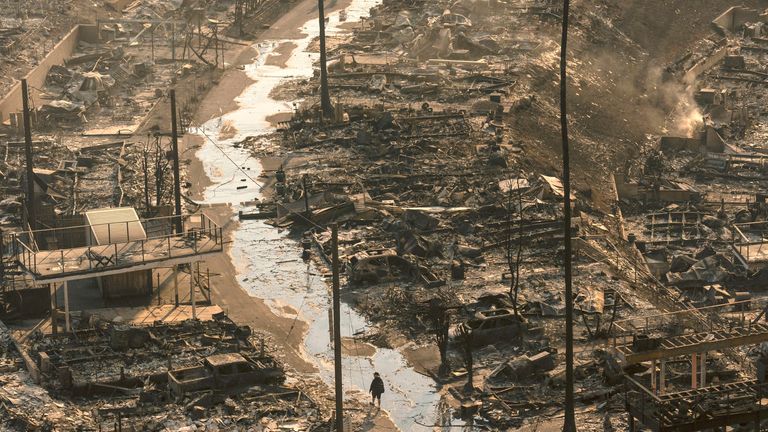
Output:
x,y
269,263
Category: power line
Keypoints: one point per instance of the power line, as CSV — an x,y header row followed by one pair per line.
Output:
x,y
260,186
239,168
301,306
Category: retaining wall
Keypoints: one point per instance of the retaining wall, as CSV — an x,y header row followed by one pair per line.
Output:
x,y
11,102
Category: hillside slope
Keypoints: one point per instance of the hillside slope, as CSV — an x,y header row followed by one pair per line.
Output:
x,y
617,93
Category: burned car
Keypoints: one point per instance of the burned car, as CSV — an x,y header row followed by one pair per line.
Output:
x,y
377,266
491,326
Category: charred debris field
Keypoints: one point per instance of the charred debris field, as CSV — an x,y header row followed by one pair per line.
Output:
x,y
256,215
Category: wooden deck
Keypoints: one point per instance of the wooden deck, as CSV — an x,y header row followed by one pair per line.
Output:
x,y
92,261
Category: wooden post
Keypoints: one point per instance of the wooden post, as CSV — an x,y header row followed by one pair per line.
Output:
x,y
210,289
703,368
306,194
176,283
68,325
192,291
30,192
54,317
662,372
337,329
653,377
693,370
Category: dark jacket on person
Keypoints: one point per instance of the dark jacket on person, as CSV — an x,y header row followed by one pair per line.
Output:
x,y
377,386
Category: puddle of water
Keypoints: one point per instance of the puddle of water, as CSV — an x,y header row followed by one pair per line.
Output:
x,y
269,264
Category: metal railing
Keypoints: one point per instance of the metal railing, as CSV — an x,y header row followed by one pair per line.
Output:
x,y
126,246
750,256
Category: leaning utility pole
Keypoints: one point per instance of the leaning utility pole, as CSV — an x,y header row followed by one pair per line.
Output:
x,y
176,176
570,418
325,94
337,329
30,199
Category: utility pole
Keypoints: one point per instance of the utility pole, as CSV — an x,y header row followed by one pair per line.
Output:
x,y
173,44
306,194
337,329
569,424
175,151
325,95
31,202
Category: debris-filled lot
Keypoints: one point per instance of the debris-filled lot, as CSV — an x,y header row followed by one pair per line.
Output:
x,y
451,220
157,376
167,231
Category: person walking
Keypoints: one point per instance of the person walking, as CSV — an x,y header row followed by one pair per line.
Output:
x,y
377,389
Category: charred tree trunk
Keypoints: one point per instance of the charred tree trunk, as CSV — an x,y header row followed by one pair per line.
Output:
x,y
440,320
325,95
466,339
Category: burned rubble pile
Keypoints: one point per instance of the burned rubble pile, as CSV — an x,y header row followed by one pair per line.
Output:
x,y
431,52
71,180
103,143
107,87
695,207
694,213
445,220
27,31
209,375
26,406
99,112
435,157
450,229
